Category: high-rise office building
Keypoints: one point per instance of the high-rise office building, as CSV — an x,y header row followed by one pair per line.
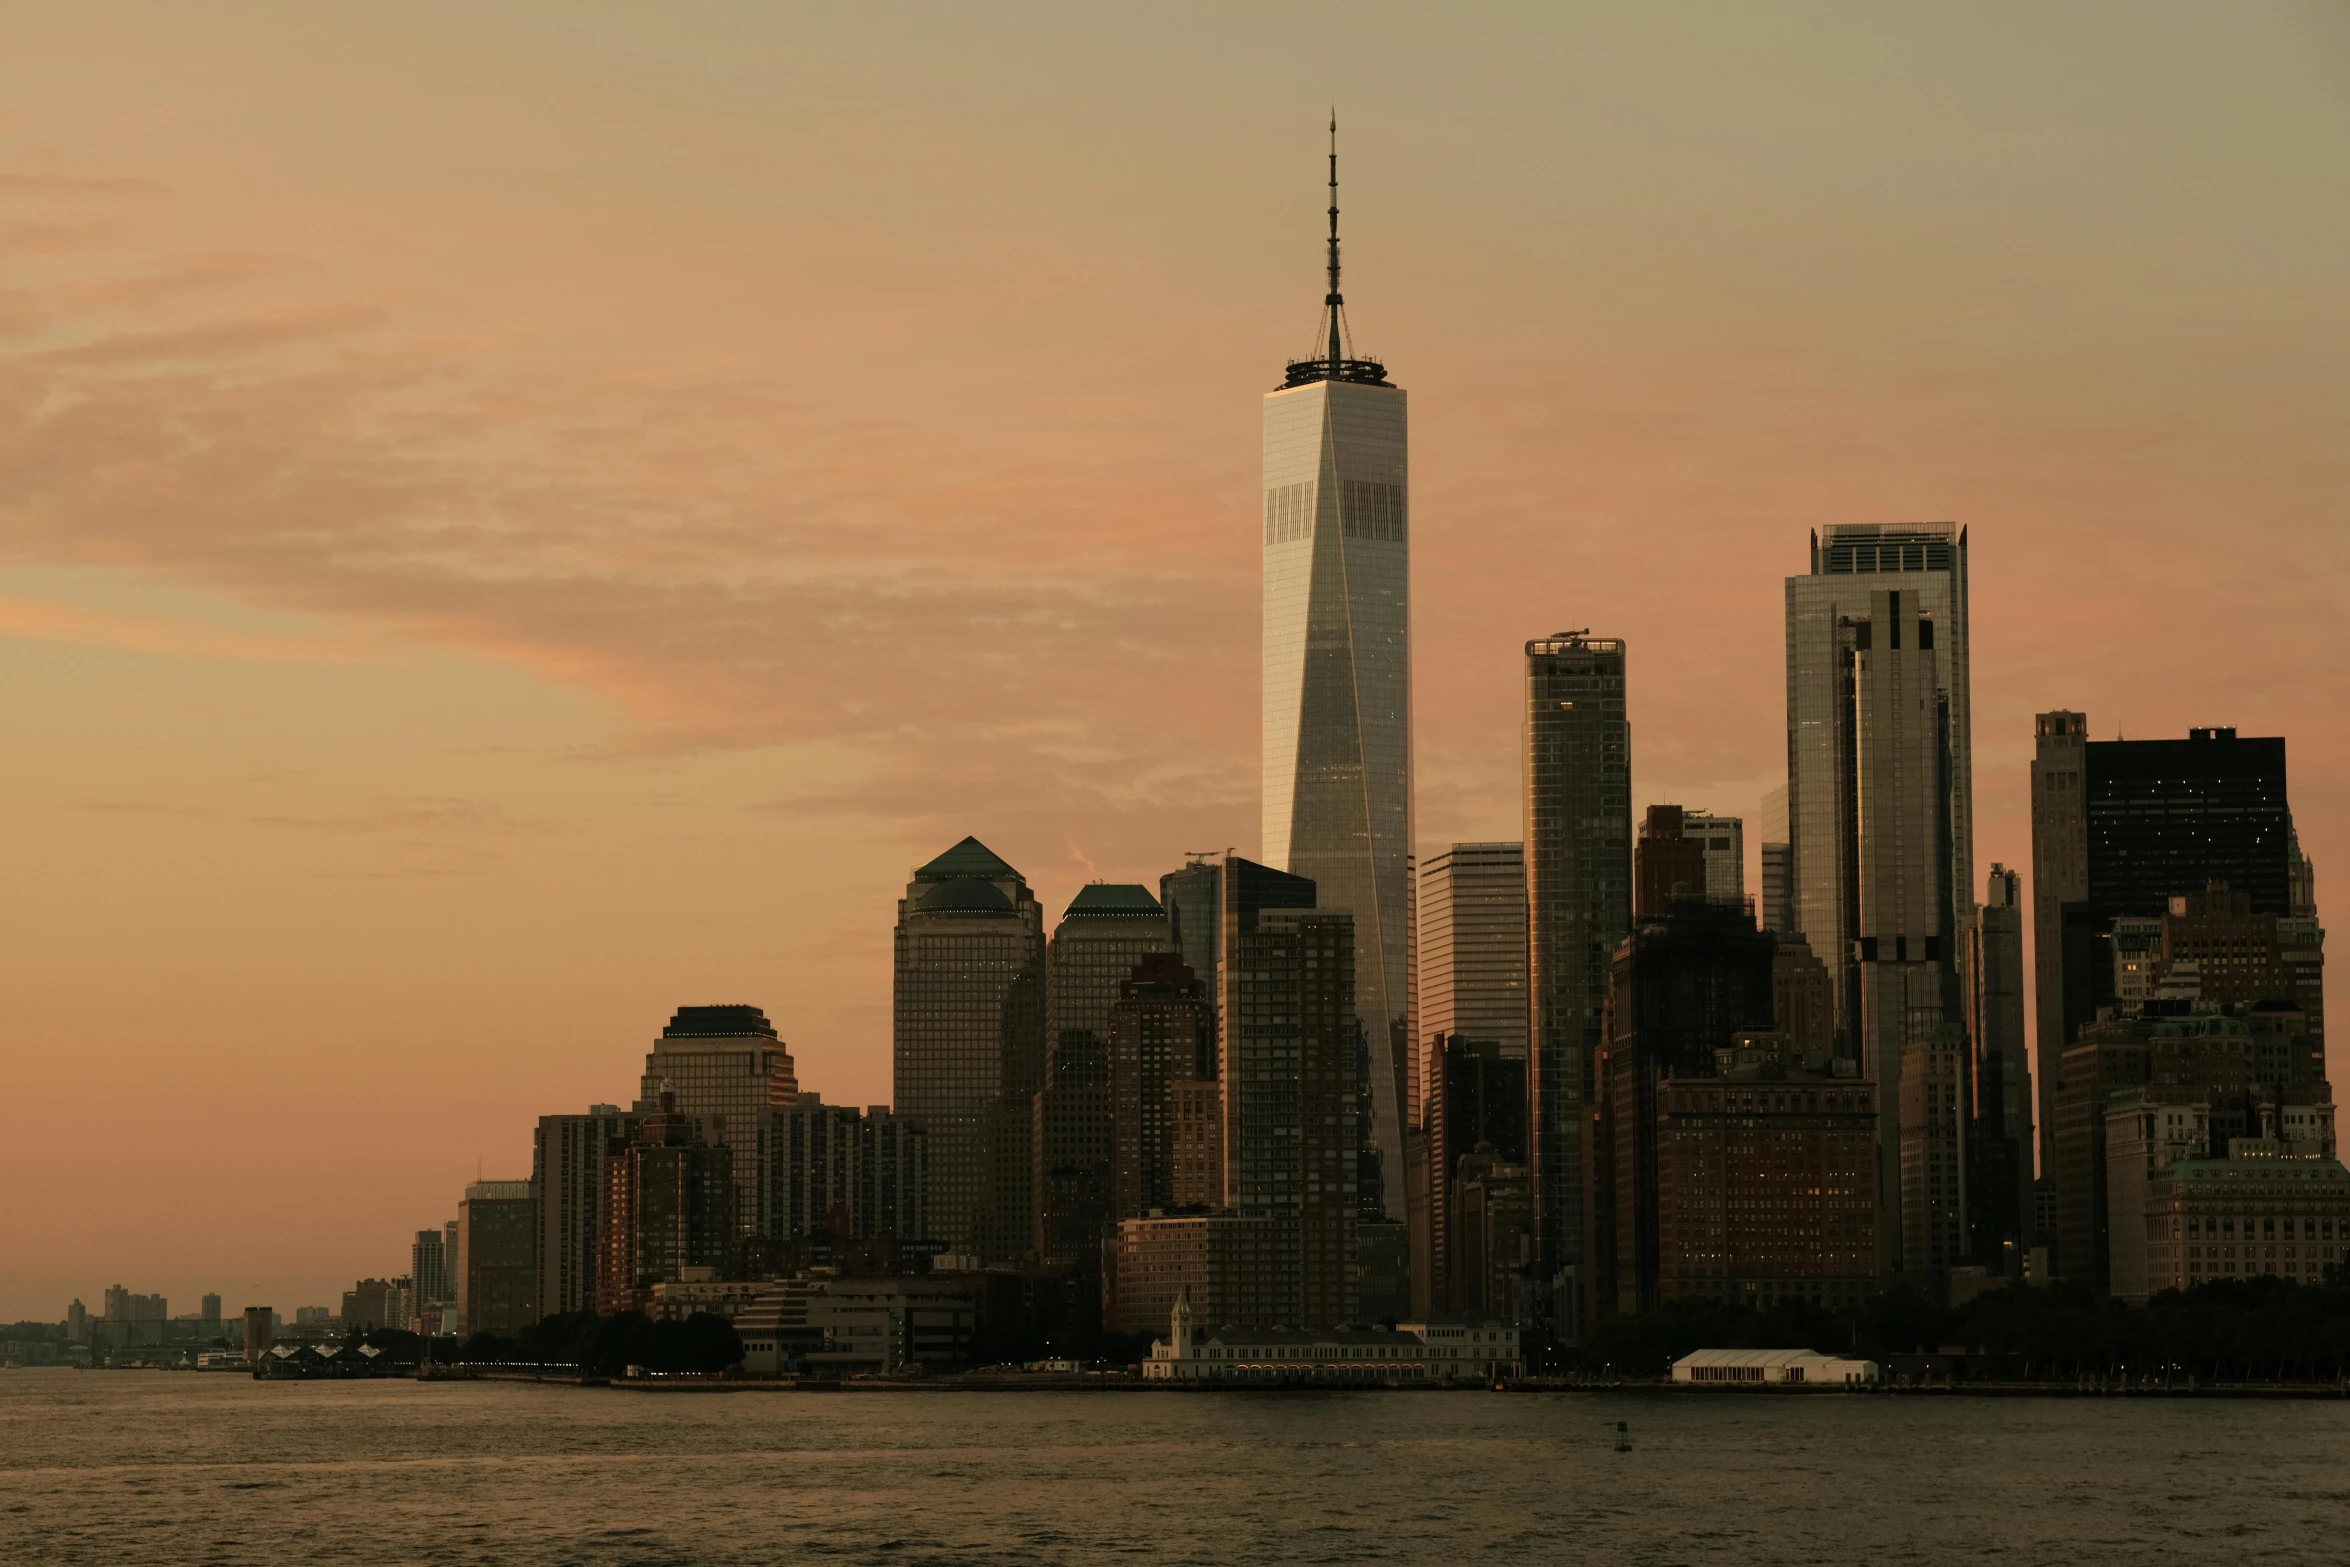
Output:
x,y
1161,1036
1766,1181
1472,954
669,1206
1104,934
2120,827
497,1283
2060,876
1778,867
969,1043
430,1261
1194,900
1476,1110
2208,1057
568,1153
1578,805
1293,1064
1999,1144
1935,1159
843,1174
1881,798
1722,839
1686,986
1337,797
727,1069
1667,865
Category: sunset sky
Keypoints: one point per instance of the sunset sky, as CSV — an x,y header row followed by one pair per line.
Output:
x,y
514,517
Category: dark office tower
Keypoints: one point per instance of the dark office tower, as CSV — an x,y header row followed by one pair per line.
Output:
x,y
1476,1105
2060,876
1472,954
1337,678
1293,1064
1070,1140
2169,817
497,1249
1578,803
1194,900
1881,799
727,1069
567,1168
1778,868
2156,819
1105,932
1666,864
1803,1000
1684,987
1161,1034
669,1205
836,1175
969,1043
1999,1147
432,1266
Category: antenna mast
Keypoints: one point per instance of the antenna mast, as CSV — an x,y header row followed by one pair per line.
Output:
x,y
1334,301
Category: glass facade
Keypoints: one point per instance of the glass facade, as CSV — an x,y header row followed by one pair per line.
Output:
x,y
1337,698
1472,955
1881,803
969,1043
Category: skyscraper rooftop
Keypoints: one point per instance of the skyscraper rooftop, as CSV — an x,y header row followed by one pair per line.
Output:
x,y
721,1022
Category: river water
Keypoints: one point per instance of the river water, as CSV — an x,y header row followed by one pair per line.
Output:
x,y
157,1467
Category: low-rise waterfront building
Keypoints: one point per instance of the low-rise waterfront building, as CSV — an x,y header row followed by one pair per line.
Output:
x,y
1472,1349
1773,1368
838,1327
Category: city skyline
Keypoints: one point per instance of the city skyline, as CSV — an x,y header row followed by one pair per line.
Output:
x,y
436,785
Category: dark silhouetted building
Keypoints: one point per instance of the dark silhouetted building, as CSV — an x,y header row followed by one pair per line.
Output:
x,y
669,1207
497,1283
1106,931
1161,1035
1999,1143
1578,804
568,1154
1665,864
1477,1105
1293,1070
1683,988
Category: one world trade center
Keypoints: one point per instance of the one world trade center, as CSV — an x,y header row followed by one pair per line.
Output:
x,y
1338,683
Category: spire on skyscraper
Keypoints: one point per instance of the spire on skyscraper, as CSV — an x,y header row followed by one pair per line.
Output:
x,y
1330,361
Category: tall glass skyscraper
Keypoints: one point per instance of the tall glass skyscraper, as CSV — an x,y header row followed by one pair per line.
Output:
x,y
1880,804
969,1043
1338,682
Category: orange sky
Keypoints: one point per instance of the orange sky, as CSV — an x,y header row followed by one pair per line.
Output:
x,y
515,517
